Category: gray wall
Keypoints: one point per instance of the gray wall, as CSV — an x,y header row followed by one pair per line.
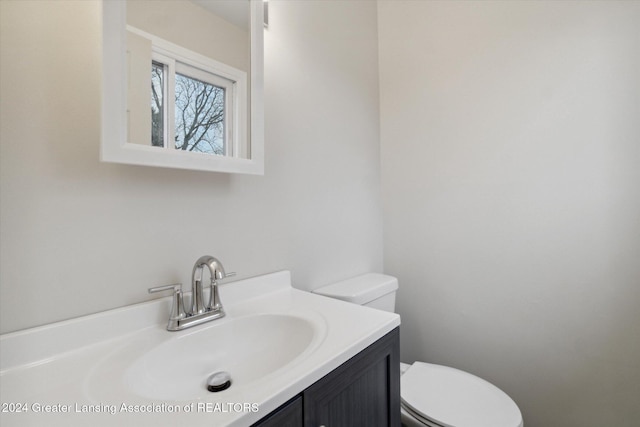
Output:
x,y
510,136
79,236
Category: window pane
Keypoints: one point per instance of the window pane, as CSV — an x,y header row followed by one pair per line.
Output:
x,y
157,104
200,119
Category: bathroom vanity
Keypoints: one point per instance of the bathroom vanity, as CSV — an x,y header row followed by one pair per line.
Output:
x,y
294,358
364,391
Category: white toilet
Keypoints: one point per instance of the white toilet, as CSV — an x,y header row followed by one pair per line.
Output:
x,y
431,395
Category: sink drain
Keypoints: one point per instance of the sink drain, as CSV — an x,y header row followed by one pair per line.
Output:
x,y
218,381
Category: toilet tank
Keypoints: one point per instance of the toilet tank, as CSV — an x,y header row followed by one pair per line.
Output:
x,y
372,290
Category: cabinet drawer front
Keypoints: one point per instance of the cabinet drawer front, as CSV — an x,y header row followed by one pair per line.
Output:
x,y
288,415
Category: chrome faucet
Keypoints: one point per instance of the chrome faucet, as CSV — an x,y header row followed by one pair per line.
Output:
x,y
200,312
216,271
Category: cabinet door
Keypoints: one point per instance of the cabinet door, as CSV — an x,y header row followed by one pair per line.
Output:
x,y
288,415
362,392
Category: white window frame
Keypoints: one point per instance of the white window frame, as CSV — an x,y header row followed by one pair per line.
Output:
x,y
178,59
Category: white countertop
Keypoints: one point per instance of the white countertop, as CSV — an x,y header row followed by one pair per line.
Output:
x,y
72,373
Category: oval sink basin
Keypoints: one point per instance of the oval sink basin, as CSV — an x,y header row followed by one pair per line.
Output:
x,y
248,348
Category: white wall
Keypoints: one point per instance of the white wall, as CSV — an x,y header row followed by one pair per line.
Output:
x,y
193,27
510,136
79,236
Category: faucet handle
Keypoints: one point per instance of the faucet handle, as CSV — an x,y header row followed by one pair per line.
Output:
x,y
175,287
177,305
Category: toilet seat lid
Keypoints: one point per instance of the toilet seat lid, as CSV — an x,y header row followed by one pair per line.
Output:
x,y
454,398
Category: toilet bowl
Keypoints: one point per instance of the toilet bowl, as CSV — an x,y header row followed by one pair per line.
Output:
x,y
440,396
431,395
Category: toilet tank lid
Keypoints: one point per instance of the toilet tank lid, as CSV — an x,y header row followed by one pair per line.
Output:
x,y
360,289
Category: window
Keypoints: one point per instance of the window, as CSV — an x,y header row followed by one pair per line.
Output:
x,y
196,102
157,104
200,116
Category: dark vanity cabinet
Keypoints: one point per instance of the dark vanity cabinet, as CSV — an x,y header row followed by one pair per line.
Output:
x,y
288,415
363,391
